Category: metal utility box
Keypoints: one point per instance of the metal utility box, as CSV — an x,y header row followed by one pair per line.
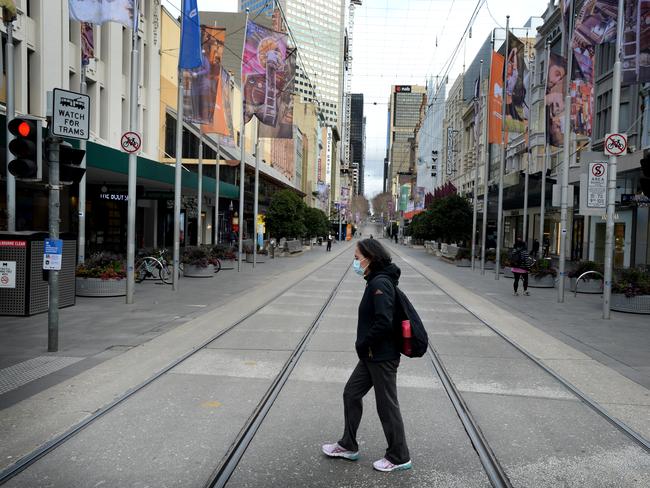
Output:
x,y
23,283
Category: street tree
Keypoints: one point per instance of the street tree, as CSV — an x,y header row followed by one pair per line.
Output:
x,y
381,204
360,206
449,219
316,222
286,215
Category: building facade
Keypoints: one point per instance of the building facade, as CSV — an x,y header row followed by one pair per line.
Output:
x,y
357,141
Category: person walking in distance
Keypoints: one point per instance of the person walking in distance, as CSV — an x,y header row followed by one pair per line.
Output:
x,y
520,265
329,241
378,349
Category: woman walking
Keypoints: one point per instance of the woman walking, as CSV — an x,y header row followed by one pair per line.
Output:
x,y
378,348
520,260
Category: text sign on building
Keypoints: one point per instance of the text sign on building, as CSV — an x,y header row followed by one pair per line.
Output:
x,y
53,254
615,144
451,166
328,156
70,114
7,274
403,89
597,185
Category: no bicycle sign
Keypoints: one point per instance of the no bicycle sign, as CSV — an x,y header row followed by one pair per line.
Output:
x,y
615,144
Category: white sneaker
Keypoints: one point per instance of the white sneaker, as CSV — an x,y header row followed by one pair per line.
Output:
x,y
515,293
386,466
334,450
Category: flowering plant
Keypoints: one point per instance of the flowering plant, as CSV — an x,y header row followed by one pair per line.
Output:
x,y
632,282
103,265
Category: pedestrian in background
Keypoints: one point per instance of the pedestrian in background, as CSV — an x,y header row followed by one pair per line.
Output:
x,y
520,265
378,349
535,248
329,242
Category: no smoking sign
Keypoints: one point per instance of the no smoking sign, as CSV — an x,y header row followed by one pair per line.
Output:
x,y
615,144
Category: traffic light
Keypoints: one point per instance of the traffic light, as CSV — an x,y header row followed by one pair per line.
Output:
x,y
70,159
645,179
27,148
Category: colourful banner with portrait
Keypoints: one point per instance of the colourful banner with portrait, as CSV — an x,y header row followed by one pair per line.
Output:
x,y
222,123
285,80
636,50
87,43
266,71
555,80
495,101
516,87
200,85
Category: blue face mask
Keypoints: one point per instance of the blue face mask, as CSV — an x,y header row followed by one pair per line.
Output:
x,y
356,266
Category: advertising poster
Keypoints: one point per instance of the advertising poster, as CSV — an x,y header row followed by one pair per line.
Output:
x,y
87,43
222,119
200,84
555,99
516,87
636,52
268,68
495,99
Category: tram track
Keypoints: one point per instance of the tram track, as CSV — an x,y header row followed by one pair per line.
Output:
x,y
29,459
636,437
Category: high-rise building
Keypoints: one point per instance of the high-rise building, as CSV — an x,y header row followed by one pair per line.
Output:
x,y
357,130
404,117
319,31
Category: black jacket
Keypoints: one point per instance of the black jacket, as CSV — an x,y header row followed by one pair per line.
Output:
x,y
378,337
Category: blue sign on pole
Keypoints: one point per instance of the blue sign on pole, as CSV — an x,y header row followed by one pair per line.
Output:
x,y
53,254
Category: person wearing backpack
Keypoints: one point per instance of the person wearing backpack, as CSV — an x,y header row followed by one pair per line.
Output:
x,y
378,346
520,265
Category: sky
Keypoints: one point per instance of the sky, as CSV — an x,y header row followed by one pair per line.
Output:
x,y
394,43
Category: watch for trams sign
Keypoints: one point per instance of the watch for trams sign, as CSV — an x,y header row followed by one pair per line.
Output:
x,y
70,114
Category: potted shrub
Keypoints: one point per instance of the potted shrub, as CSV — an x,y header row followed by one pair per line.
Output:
x,y
631,291
197,262
463,257
592,283
490,259
542,274
103,274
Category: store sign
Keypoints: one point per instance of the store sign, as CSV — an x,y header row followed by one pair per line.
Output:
x,y
53,254
403,89
7,274
328,156
451,164
114,197
13,243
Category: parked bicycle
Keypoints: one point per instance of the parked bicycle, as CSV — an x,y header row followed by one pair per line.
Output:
x,y
155,267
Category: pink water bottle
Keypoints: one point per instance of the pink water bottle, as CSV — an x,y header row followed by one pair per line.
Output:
x,y
406,337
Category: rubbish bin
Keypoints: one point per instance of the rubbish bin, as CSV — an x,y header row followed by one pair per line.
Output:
x,y
23,283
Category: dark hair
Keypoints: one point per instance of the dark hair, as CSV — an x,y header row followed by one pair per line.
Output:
x,y
377,254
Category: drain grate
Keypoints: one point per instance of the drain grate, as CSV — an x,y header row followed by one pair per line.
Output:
x,y
22,373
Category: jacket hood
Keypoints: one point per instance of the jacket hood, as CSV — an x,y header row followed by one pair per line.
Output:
x,y
391,271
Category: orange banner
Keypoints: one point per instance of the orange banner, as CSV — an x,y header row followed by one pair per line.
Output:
x,y
495,104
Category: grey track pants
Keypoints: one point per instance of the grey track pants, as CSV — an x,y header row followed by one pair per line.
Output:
x,y
383,377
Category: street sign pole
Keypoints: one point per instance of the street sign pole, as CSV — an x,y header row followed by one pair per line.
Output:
x,y
486,168
81,207
256,199
478,155
133,161
216,196
11,179
542,204
502,167
611,170
242,174
53,275
199,208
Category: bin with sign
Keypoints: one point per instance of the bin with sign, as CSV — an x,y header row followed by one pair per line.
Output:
x,y
23,283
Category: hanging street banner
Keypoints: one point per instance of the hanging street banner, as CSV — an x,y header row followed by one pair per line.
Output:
x,y
495,99
555,100
516,86
451,161
190,54
100,11
268,68
87,43
201,85
222,123
636,49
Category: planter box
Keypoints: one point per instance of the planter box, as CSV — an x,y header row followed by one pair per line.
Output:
x,y
588,286
547,281
463,263
191,271
258,259
637,304
96,287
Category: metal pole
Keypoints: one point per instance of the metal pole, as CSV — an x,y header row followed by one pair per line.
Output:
x,y
611,170
177,171
486,167
81,238
542,210
133,161
502,167
242,170
11,113
256,199
531,72
340,226
216,196
565,166
199,209
53,275
478,154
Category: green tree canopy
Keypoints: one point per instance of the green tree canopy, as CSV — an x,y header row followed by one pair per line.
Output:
x,y
286,215
316,222
450,219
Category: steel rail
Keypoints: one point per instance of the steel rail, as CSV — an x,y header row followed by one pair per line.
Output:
x,y
28,459
231,459
595,406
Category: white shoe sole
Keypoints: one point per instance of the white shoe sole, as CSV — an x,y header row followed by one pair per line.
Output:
x,y
353,456
398,467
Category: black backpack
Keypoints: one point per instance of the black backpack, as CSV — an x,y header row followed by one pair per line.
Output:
x,y
405,310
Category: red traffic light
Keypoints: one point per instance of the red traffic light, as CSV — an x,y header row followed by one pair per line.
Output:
x,y
24,129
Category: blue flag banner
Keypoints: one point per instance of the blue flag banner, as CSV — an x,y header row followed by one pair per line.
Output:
x,y
190,55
